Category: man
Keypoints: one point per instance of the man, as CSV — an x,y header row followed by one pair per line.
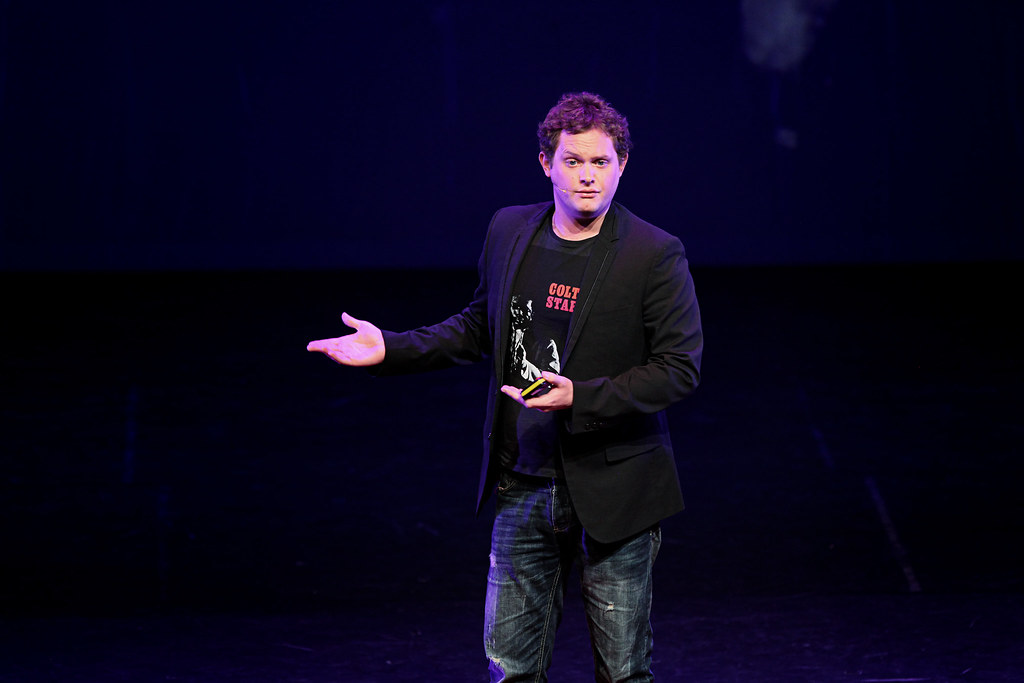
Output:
x,y
596,309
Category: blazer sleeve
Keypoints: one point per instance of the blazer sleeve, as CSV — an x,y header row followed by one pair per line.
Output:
x,y
672,342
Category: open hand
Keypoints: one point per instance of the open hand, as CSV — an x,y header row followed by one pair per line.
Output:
x,y
363,347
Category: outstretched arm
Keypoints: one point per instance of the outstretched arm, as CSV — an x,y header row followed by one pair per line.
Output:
x,y
363,347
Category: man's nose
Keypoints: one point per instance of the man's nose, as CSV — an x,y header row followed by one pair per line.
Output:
x,y
587,173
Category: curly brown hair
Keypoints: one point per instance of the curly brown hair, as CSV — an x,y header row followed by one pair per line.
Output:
x,y
578,112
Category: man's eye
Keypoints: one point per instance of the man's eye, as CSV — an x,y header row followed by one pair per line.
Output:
x,y
601,163
571,163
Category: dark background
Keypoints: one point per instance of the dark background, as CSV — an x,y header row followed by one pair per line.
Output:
x,y
324,134
192,191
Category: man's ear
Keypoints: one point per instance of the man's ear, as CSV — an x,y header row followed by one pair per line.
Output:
x,y
545,164
622,164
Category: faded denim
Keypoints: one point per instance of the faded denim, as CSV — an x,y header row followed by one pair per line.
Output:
x,y
535,542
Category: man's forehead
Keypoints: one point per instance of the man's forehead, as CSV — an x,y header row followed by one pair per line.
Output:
x,y
592,140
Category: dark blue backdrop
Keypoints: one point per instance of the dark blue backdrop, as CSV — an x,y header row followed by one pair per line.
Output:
x,y
301,134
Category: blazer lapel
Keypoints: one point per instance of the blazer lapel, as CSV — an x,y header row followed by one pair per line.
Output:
x,y
600,260
520,243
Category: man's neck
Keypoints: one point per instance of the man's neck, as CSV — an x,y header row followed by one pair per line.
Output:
x,y
574,230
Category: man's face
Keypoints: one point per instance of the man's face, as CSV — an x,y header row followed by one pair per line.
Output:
x,y
585,172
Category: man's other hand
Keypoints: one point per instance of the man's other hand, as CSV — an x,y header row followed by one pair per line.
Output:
x,y
559,398
363,347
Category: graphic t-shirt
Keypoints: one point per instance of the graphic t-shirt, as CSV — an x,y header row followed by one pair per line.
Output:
x,y
545,295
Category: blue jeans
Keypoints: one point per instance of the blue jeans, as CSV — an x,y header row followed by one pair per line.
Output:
x,y
535,542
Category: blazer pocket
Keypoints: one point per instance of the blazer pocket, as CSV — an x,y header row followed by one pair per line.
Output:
x,y
627,451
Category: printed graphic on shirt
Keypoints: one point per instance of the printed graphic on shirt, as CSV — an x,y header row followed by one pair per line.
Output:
x,y
529,354
545,296
547,290
562,297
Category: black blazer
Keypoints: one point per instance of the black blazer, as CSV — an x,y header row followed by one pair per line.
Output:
x,y
633,348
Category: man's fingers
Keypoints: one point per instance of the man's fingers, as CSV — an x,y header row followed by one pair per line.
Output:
x,y
324,345
553,379
329,349
514,394
354,323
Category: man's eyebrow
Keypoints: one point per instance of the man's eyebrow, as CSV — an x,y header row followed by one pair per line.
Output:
x,y
570,153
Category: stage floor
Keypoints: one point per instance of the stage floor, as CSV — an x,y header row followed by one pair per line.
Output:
x,y
188,495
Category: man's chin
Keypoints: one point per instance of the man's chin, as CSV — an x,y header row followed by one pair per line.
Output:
x,y
588,213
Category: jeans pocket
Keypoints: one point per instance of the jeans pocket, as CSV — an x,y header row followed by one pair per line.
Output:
x,y
505,484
